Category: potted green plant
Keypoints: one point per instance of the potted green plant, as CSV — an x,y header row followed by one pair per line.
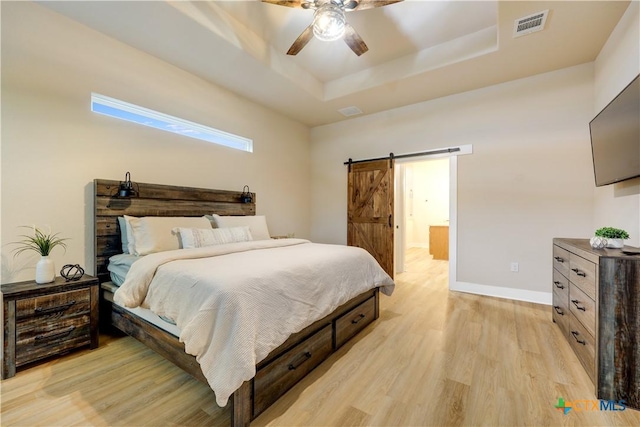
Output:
x,y
614,236
42,243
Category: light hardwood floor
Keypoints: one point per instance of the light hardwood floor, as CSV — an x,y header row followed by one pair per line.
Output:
x,y
433,358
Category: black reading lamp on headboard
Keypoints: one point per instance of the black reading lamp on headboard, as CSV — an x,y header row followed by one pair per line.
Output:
x,y
246,196
126,188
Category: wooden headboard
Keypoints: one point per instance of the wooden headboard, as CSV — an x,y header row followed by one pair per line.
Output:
x,y
153,200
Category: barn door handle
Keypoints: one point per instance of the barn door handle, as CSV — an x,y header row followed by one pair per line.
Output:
x,y
390,221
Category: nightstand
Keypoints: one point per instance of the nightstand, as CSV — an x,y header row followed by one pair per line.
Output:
x,y
46,320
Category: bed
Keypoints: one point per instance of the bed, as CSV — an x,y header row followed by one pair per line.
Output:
x,y
311,340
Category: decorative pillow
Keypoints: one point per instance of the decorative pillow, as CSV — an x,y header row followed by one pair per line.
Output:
x,y
257,224
154,233
199,237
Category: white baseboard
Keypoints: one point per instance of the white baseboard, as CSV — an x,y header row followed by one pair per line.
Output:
x,y
500,292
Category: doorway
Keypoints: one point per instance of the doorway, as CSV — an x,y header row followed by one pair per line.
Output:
x,y
422,208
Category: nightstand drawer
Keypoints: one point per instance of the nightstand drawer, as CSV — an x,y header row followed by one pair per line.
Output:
x,y
34,342
53,307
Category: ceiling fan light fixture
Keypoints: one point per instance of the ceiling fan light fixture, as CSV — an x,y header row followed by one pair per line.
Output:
x,y
329,22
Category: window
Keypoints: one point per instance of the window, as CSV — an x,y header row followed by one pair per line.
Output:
x,y
123,110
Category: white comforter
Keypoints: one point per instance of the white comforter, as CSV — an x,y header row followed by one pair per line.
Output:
x,y
235,303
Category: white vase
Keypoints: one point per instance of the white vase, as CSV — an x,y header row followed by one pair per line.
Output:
x,y
45,270
615,243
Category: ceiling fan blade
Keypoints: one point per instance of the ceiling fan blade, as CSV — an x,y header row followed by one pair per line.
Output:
x,y
354,41
350,5
303,4
301,41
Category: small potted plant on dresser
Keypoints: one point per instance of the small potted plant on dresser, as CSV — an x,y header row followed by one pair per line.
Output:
x,y
609,237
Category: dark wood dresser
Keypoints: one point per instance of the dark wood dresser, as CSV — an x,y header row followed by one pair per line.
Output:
x,y
46,320
596,305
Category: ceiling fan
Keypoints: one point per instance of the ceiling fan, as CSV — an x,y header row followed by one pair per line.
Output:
x,y
329,22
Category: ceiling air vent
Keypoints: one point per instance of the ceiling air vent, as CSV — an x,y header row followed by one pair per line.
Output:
x,y
530,24
350,111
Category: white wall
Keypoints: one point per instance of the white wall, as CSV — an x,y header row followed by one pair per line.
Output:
x,y
618,205
53,146
528,180
426,199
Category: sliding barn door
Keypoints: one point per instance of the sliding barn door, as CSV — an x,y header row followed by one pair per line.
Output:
x,y
370,210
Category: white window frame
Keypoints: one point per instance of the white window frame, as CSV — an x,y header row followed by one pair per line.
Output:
x,y
144,116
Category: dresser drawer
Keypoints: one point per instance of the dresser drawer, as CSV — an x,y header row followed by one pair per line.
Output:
x,y
53,307
560,285
583,273
36,342
583,345
583,308
561,260
277,377
560,312
354,321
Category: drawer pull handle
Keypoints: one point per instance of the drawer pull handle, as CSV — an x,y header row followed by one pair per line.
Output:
x,y
558,310
58,309
559,259
558,285
576,302
54,335
578,272
293,365
357,319
575,335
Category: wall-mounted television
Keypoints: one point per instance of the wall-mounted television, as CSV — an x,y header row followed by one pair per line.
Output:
x,y
615,137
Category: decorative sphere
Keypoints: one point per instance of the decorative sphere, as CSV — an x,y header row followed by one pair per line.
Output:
x,y
598,242
72,272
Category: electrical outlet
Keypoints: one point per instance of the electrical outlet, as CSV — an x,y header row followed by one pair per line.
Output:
x,y
515,267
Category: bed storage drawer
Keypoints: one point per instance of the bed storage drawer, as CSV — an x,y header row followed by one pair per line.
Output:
x,y
354,321
273,380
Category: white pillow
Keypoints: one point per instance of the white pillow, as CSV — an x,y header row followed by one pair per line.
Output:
x,y
126,233
200,237
154,233
257,224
